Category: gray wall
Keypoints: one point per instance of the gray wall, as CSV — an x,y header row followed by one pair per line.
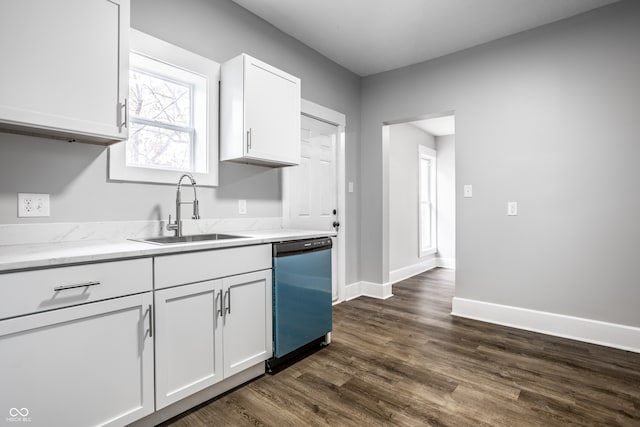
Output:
x,y
547,118
446,197
404,229
76,175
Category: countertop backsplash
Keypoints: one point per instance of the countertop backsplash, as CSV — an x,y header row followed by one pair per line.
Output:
x,y
17,234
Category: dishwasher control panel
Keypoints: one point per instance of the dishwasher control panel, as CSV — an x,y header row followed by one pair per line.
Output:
x,y
299,246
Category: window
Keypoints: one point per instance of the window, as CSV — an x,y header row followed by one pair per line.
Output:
x,y
427,200
172,114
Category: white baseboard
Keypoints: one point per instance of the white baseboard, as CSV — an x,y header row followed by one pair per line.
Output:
x,y
592,331
352,290
376,290
400,274
446,262
367,289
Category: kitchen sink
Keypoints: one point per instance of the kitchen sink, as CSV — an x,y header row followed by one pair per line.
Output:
x,y
166,240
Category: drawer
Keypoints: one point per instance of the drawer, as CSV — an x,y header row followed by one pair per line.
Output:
x,y
39,290
191,267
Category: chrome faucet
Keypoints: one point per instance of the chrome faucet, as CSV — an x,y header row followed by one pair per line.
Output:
x,y
177,225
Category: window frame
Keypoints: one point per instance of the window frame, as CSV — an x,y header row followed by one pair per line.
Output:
x,y
155,50
425,153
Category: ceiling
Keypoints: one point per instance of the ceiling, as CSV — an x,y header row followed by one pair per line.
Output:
x,y
439,126
372,36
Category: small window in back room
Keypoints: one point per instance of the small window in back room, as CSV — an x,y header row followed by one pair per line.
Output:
x,y
427,197
172,115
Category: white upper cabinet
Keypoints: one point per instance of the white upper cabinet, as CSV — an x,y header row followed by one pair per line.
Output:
x,y
65,67
260,113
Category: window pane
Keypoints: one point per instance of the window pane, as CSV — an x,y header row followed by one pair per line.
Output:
x,y
157,99
425,230
426,214
425,177
157,147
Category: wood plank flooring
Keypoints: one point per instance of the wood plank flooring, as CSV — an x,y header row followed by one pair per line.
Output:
x,y
406,361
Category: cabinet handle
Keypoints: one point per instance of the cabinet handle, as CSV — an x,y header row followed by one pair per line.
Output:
x,y
228,295
248,140
221,309
125,106
79,285
150,321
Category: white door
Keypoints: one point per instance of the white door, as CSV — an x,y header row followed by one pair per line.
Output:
x,y
313,201
312,185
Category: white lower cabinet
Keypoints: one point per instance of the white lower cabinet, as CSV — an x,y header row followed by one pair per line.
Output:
x,y
188,340
77,342
85,365
247,321
209,331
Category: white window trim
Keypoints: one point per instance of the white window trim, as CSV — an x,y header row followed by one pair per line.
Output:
x,y
427,153
147,46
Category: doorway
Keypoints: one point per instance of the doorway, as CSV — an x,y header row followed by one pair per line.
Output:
x,y
313,196
421,182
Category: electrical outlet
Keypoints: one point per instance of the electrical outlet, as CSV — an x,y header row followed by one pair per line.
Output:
x,y
33,205
512,208
242,207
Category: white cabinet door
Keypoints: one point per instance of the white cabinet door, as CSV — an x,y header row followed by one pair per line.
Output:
x,y
188,340
272,113
247,321
82,366
65,67
260,113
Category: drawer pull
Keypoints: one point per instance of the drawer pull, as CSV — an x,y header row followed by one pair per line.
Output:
x,y
80,285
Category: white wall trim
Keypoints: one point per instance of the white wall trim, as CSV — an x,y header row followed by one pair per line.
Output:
x,y
352,291
322,113
367,289
592,331
400,274
376,290
446,262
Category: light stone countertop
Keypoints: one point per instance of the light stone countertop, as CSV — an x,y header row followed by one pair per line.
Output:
x,y
39,255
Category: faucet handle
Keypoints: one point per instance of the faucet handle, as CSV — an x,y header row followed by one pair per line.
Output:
x,y
171,226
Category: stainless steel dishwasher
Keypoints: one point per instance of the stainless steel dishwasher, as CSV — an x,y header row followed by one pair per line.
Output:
x,y
302,305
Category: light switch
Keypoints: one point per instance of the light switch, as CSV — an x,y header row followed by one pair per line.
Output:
x,y
512,208
468,190
242,207
351,187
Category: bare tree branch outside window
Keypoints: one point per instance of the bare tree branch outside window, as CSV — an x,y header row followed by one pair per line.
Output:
x,y
161,134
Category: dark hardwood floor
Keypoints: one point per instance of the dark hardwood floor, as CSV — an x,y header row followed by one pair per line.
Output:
x,y
407,361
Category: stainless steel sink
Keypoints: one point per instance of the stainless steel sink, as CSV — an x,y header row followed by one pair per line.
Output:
x,y
167,240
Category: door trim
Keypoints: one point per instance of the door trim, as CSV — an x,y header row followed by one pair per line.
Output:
x,y
327,115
